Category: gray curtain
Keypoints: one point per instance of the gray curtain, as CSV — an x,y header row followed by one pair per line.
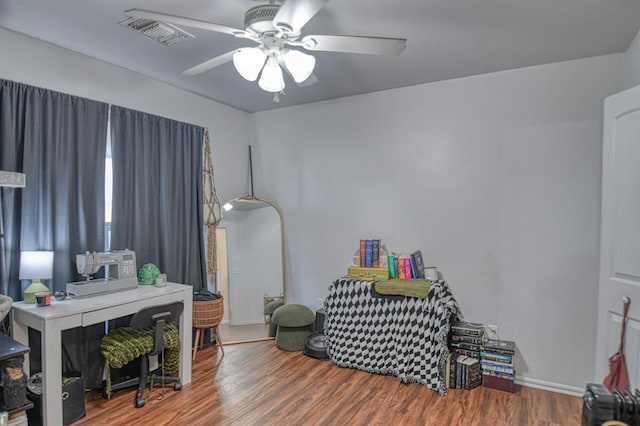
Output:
x,y
58,141
157,193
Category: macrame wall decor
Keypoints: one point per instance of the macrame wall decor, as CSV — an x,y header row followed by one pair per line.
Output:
x,y
212,207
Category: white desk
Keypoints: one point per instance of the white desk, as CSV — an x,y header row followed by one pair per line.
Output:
x,y
70,313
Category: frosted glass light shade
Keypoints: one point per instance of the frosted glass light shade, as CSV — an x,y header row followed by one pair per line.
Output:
x,y
36,265
271,79
299,64
249,62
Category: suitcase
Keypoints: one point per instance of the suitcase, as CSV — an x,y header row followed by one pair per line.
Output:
x,y
367,274
598,405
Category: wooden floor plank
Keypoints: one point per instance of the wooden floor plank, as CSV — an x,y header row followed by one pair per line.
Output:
x,y
258,384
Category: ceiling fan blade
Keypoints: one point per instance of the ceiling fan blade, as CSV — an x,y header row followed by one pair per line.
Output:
x,y
187,22
355,44
210,64
294,14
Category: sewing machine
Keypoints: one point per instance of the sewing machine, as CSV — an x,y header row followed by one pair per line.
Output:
x,y
121,274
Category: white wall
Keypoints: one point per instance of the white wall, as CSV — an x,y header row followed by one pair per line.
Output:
x,y
496,178
631,67
31,61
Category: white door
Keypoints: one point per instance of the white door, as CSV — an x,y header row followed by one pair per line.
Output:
x,y
620,232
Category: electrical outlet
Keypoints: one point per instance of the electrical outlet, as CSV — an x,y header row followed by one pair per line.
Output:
x,y
493,331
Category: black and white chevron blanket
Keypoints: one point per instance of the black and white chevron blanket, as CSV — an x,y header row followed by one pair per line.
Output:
x,y
396,335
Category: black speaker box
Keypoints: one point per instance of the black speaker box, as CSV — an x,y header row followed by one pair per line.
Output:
x,y
318,326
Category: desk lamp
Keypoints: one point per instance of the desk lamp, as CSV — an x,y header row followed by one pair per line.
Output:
x,y
35,266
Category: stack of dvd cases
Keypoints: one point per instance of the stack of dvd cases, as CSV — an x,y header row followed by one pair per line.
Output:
x,y
496,358
463,365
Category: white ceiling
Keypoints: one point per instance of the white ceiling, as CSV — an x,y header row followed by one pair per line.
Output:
x,y
446,39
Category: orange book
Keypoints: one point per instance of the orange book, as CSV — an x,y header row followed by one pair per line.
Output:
x,y
401,268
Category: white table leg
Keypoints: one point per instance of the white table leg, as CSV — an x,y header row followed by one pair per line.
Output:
x,y
21,335
51,340
186,328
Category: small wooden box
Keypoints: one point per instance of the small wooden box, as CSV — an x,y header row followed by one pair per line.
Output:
x,y
367,274
493,382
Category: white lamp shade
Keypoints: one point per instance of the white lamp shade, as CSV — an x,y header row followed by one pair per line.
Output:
x,y
249,62
36,265
271,79
299,64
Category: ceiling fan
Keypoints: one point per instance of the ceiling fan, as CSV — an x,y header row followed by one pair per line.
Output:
x,y
276,28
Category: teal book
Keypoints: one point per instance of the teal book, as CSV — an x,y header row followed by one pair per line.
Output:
x,y
392,267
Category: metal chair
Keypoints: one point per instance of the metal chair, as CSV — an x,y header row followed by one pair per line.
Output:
x,y
151,331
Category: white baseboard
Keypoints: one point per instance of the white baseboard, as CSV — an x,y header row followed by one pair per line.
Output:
x,y
549,386
250,322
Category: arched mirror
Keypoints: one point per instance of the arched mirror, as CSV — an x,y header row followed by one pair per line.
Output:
x,y
250,266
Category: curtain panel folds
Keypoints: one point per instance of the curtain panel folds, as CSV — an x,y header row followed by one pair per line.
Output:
x,y
58,141
157,187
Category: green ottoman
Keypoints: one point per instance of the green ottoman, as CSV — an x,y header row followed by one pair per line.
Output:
x,y
268,313
295,324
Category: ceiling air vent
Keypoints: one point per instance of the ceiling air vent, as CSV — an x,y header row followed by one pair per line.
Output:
x,y
163,32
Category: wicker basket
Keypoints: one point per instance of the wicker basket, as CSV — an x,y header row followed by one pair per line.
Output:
x,y
208,313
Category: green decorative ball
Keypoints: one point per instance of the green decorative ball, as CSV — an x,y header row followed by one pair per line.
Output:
x,y
148,274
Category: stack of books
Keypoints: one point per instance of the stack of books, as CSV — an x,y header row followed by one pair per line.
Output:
x,y
463,369
369,262
464,372
496,358
371,254
406,266
466,338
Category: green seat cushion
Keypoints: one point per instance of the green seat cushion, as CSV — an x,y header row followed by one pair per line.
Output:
x,y
292,338
293,315
271,307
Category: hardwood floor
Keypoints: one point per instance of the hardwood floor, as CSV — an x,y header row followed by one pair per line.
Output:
x,y
231,334
258,384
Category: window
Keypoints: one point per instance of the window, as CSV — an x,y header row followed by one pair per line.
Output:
x,y
108,190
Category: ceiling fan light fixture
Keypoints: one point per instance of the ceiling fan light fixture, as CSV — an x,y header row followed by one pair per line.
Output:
x,y
299,64
249,62
271,79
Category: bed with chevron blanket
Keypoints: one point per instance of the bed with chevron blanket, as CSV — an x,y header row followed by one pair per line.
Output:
x,y
395,335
